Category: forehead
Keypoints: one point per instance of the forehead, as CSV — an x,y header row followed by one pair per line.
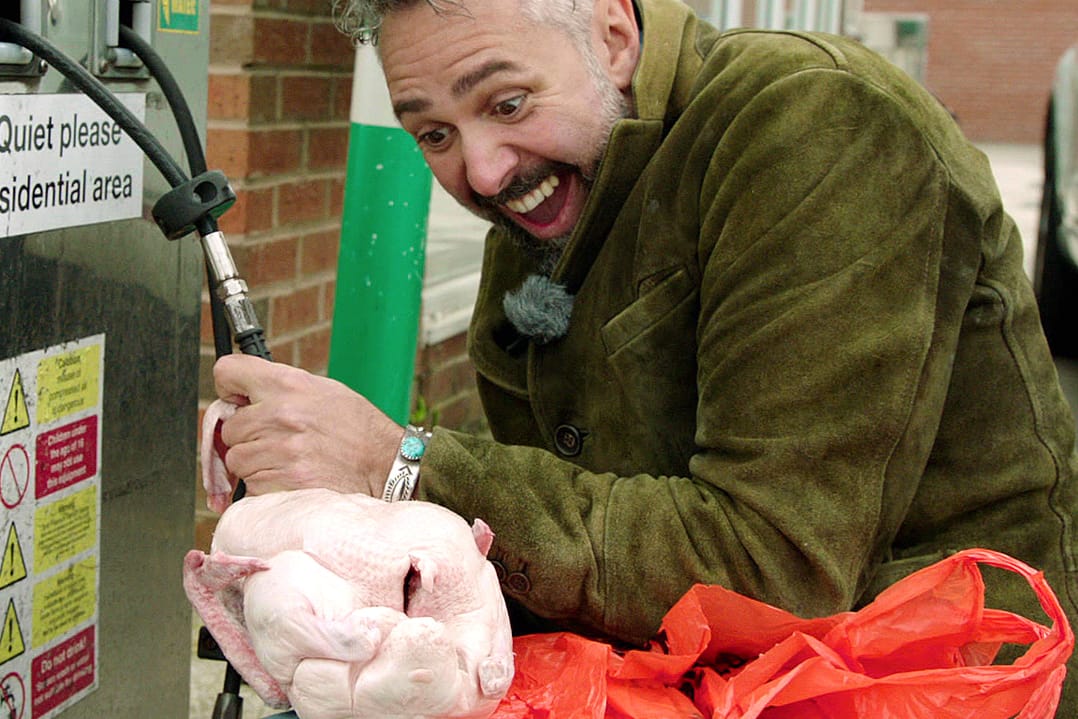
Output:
x,y
421,48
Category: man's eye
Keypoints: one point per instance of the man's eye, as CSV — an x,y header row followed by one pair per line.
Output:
x,y
434,138
508,108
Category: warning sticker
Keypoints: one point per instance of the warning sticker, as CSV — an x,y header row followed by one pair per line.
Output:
x,y
14,475
63,671
16,416
64,601
65,456
11,643
50,486
13,695
13,567
68,383
65,528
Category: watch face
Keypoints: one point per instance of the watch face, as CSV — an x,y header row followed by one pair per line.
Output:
x,y
412,448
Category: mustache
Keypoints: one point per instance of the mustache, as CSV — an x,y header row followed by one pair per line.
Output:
x,y
522,184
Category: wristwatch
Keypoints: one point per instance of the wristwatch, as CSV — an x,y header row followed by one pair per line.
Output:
x,y
404,474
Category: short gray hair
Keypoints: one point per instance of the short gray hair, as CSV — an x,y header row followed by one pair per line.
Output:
x,y
362,19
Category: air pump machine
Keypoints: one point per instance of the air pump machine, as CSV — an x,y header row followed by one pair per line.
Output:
x,y
99,336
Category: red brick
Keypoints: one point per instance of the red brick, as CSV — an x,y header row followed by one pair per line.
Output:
x,y
231,39
280,41
205,324
319,8
296,310
303,201
331,47
263,91
305,97
319,251
336,197
253,212
228,97
450,350
313,354
327,148
448,381
329,297
274,152
228,150
342,97
266,262
463,412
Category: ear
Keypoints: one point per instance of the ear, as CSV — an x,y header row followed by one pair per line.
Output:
x,y
619,36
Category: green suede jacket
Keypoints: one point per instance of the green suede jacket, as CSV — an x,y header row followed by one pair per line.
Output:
x,y
803,359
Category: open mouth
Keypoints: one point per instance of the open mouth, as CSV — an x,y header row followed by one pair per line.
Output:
x,y
543,204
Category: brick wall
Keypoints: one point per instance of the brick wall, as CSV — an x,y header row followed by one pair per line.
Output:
x,y
278,118
991,61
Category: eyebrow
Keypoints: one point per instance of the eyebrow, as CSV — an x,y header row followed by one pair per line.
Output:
x,y
461,87
469,80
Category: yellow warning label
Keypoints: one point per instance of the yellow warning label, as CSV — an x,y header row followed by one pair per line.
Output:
x,y
64,601
11,643
64,529
12,568
68,383
15,414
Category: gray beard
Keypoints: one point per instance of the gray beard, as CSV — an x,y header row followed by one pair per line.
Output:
x,y
546,253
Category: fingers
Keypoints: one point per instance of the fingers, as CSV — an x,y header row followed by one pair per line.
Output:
x,y
295,429
249,377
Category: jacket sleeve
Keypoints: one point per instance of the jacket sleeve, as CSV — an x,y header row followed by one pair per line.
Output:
x,y
831,297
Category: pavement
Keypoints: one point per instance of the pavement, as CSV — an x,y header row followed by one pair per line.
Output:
x,y
1018,170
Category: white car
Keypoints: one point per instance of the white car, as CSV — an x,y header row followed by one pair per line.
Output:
x,y
1055,276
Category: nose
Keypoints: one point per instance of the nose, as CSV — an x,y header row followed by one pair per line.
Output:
x,y
489,161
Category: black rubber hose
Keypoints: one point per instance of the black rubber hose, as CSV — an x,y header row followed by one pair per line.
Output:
x,y
192,143
83,80
196,161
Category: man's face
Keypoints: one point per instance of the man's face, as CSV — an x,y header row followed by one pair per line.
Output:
x,y
507,113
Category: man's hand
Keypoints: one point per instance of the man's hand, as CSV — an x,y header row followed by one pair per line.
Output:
x,y
296,430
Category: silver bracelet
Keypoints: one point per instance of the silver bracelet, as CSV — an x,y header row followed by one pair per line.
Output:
x,y
404,475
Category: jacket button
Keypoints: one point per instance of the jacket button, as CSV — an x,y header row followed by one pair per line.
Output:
x,y
568,440
518,582
499,570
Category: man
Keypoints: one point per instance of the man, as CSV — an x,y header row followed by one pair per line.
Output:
x,y
800,357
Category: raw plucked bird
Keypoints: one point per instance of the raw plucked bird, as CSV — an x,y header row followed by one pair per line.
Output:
x,y
345,606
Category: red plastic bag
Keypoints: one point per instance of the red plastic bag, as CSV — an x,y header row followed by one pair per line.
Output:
x,y
922,649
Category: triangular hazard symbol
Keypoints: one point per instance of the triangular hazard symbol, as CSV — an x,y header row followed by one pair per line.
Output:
x,y
11,644
12,568
16,415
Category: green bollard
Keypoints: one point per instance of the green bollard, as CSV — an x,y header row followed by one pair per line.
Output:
x,y
383,237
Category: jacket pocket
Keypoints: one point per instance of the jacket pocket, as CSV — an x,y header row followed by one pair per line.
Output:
x,y
648,310
651,356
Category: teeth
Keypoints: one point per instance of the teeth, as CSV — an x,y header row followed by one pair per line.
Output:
x,y
533,199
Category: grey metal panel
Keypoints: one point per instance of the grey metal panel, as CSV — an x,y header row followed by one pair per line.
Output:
x,y
125,280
